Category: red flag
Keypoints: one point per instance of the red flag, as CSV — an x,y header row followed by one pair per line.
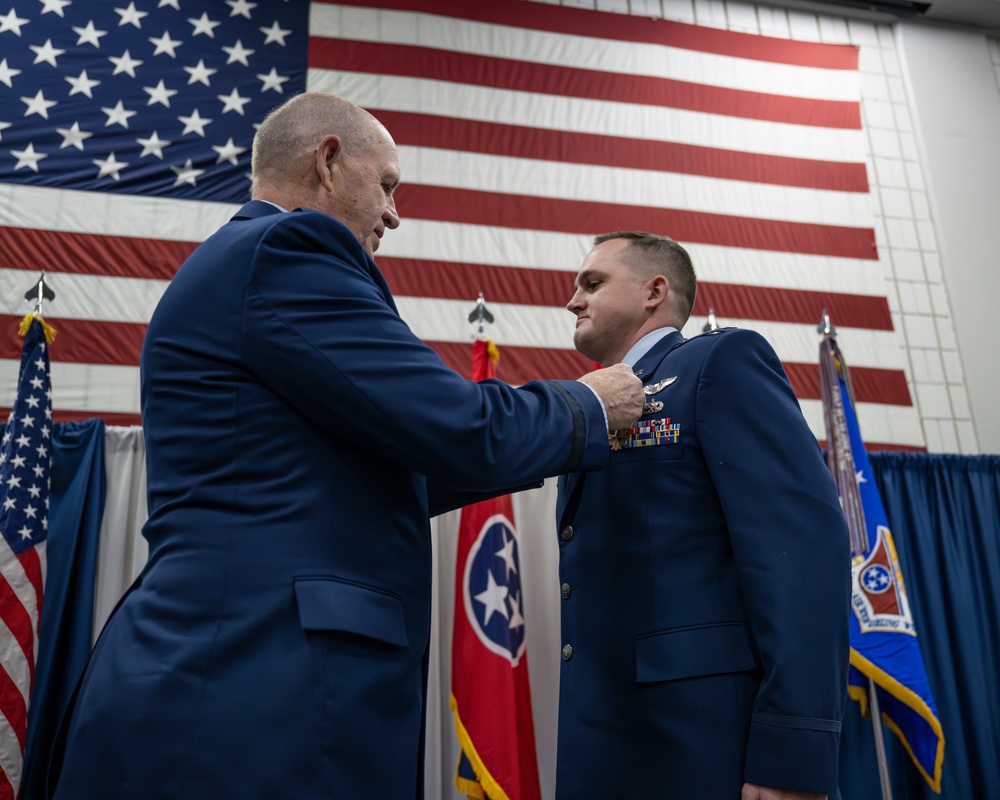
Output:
x,y
490,695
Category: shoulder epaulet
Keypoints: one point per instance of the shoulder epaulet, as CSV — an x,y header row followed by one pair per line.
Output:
x,y
696,337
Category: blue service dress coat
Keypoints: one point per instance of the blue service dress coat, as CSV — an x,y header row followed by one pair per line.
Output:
x,y
299,437
705,584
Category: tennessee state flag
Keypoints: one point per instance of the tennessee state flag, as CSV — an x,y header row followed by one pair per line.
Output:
x,y
490,695
884,645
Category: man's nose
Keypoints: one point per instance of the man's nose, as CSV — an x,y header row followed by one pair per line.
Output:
x,y
575,303
391,216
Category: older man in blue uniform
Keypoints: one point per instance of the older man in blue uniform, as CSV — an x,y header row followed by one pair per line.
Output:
x,y
298,437
705,570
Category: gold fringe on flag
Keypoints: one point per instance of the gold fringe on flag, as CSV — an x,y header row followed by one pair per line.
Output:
x,y
50,332
493,352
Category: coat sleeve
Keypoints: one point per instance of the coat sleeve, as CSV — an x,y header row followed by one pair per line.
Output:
x,y
791,548
321,330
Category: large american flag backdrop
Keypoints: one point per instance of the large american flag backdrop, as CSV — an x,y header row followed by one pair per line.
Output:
x,y
523,129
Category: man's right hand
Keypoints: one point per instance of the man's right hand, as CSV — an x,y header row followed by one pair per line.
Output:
x,y
620,391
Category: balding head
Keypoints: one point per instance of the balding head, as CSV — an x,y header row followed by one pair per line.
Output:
x,y
286,141
323,152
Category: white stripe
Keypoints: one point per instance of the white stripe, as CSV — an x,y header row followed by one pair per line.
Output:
x,y
550,112
436,319
100,388
564,252
13,659
85,297
879,423
81,212
42,551
110,214
581,52
20,584
581,182
11,757
740,266
799,344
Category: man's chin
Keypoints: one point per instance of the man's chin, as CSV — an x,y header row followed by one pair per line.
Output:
x,y
581,343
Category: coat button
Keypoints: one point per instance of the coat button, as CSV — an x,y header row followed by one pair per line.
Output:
x,y
567,652
565,591
567,533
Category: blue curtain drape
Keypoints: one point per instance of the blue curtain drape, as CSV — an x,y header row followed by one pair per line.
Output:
x,y
76,505
943,511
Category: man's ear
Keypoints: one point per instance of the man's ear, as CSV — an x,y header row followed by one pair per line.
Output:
x,y
657,289
328,156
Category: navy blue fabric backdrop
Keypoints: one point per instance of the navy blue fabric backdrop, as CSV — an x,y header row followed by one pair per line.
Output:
x,y
75,510
944,512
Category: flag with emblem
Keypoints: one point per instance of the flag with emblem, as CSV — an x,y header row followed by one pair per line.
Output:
x,y
884,645
25,459
490,695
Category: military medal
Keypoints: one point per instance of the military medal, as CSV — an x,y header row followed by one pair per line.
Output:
x,y
646,433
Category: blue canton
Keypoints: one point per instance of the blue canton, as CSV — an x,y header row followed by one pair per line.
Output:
x,y
157,97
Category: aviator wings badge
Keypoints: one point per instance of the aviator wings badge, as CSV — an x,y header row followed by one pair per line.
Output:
x,y
659,386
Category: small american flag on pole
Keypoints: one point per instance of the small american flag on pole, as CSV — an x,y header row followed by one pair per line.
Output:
x,y
25,461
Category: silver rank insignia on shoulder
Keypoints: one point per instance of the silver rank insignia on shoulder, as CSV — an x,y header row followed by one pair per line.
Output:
x,y
659,386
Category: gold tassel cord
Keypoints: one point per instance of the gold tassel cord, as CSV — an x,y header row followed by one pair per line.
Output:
x,y
48,330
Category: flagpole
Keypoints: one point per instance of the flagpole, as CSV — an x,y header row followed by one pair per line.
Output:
x,y
883,767
840,459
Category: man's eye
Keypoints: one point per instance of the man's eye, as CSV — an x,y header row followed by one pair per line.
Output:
x,y
593,285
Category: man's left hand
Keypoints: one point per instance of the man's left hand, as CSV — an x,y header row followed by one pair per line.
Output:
x,y
751,791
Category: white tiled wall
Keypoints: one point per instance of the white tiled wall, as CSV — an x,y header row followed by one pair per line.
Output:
x,y
904,226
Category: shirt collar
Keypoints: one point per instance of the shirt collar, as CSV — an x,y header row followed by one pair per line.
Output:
x,y
645,344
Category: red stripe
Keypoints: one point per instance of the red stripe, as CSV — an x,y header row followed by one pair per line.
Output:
x,y
792,305
499,73
14,708
515,141
522,364
540,287
109,417
81,341
16,617
871,385
6,790
590,218
91,254
32,566
628,28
